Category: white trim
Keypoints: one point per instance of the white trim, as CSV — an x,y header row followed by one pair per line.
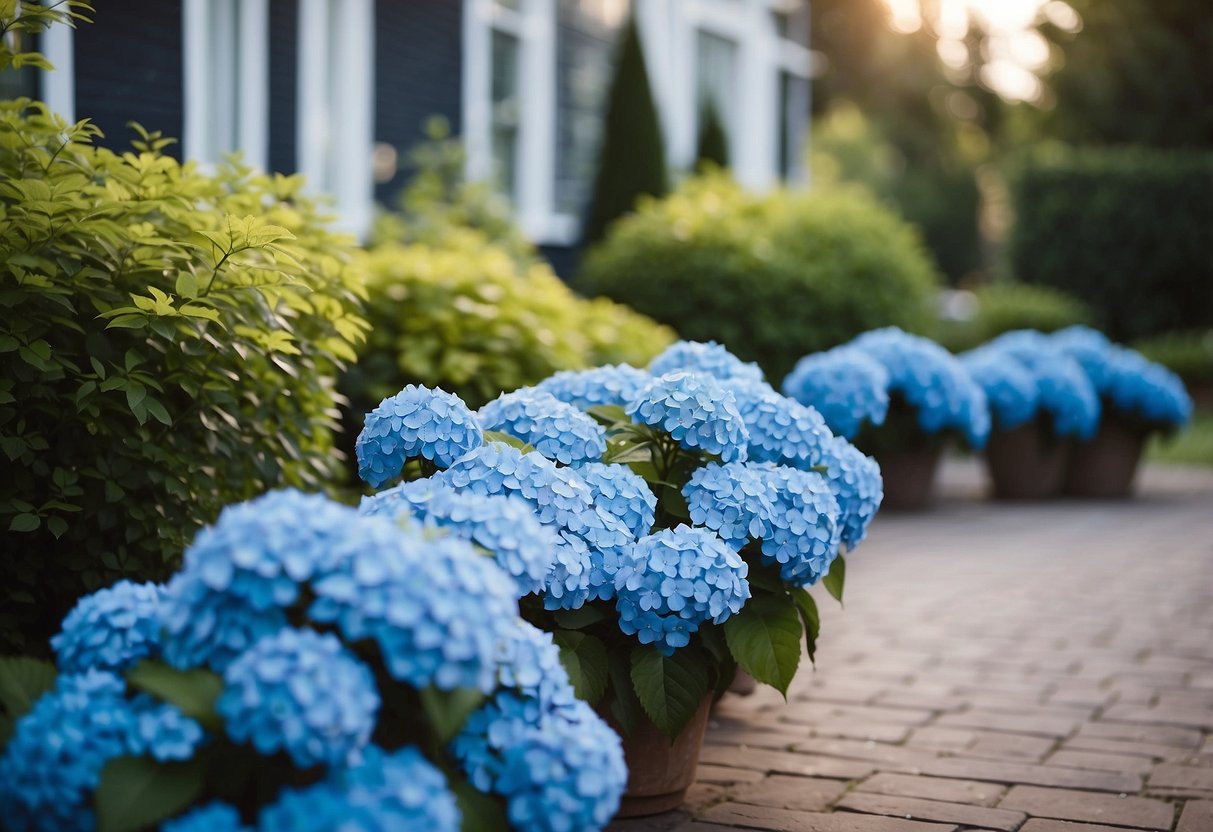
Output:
x,y
59,87
252,117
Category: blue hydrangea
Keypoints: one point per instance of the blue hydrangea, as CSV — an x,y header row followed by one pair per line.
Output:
x,y
792,512
623,493
111,629
858,486
436,608
781,430
303,693
399,791
530,666
1063,389
558,769
401,501
216,816
53,762
161,731
416,422
1010,388
931,380
1129,382
614,384
674,580
240,574
557,430
709,358
694,409
846,386
606,538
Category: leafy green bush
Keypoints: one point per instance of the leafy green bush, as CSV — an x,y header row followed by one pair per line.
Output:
x,y
773,277
468,317
1188,354
1002,307
1126,230
170,343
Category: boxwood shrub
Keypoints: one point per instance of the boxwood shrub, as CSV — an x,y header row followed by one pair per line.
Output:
x,y
1127,230
169,343
772,276
1007,305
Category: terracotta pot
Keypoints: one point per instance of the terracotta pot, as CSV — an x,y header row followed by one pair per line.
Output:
x,y
1104,468
909,477
1027,463
743,684
660,772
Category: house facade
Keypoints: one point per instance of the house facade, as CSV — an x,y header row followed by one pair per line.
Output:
x,y
339,90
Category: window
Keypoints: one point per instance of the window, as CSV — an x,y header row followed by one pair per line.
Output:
x,y
226,50
506,111
716,82
57,89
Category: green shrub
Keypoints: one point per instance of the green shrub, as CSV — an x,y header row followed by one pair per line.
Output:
x,y
467,317
1188,354
1002,307
1125,230
774,277
169,344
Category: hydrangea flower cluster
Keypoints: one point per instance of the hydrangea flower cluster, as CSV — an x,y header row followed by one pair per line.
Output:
x,y
780,429
53,762
846,386
240,573
709,358
792,512
694,409
400,791
559,769
1063,390
216,816
436,608
303,693
931,380
1126,379
504,526
112,629
858,486
614,384
1010,388
622,493
416,422
557,430
673,581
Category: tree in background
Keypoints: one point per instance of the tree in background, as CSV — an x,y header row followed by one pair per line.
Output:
x,y
713,146
632,159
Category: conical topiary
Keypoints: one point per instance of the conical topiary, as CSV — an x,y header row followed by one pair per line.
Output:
x,y
713,141
631,161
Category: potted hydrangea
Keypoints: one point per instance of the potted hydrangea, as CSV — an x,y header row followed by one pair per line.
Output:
x,y
1040,401
1138,398
901,398
312,668
689,507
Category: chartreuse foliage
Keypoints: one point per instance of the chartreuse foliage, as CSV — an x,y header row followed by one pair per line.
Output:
x,y
169,343
774,277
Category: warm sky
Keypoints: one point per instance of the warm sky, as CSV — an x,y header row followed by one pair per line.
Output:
x,y
1017,52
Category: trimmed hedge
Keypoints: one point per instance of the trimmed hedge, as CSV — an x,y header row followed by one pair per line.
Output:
x,y
170,343
773,277
1002,307
1126,230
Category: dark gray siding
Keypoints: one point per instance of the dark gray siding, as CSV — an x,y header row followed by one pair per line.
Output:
x,y
128,68
418,74
284,91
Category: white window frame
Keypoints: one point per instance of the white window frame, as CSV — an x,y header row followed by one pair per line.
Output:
x,y
336,106
59,87
208,53
533,23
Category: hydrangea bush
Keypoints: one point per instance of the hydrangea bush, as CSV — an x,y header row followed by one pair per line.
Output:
x,y
687,508
317,667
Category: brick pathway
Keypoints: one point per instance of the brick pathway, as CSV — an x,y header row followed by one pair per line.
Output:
x,y
1041,668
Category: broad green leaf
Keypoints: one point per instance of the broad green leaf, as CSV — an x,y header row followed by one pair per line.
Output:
x,y
608,415
625,452
583,616
138,792
585,659
478,810
193,691
22,681
24,523
810,617
765,639
507,439
835,578
670,688
448,710
625,708
187,285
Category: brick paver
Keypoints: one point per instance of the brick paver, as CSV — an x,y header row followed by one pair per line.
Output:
x,y
1029,668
